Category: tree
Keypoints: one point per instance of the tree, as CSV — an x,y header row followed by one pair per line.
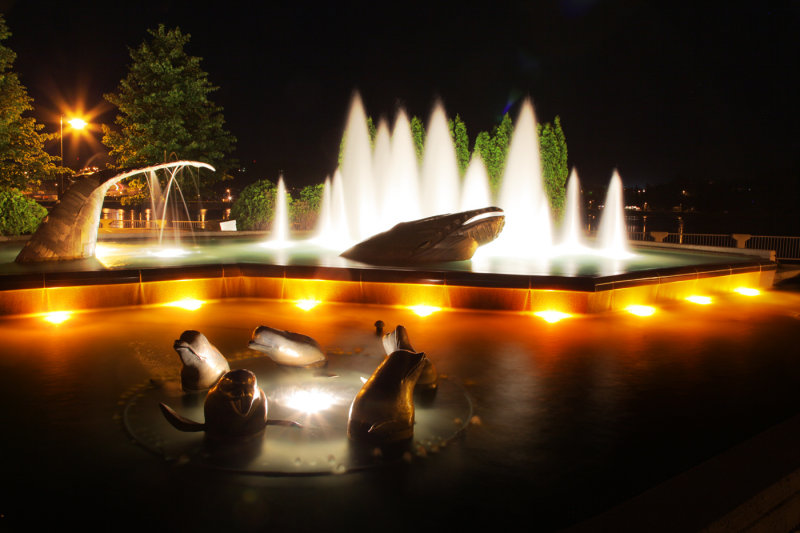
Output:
x,y
19,214
23,161
305,210
458,132
165,110
493,148
255,207
553,153
418,134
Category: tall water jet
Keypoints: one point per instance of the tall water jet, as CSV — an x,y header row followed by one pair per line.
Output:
x,y
612,235
280,221
356,169
440,183
401,200
527,231
475,190
381,161
573,227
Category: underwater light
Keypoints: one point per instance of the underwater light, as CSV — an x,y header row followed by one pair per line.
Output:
x,y
424,310
310,401
307,305
552,316
57,317
190,304
170,252
747,291
702,300
640,310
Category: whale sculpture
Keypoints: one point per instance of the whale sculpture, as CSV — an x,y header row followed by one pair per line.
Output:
x,y
286,347
203,364
235,408
428,380
383,410
451,237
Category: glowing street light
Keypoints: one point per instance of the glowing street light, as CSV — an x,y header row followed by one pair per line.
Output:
x,y
77,124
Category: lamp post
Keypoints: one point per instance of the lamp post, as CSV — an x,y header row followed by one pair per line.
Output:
x,y
77,124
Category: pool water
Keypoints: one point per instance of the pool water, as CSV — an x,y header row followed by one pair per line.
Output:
x,y
569,418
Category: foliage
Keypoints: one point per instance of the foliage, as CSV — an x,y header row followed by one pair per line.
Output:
x,y
458,132
418,133
553,153
165,110
254,209
305,210
19,214
493,148
23,161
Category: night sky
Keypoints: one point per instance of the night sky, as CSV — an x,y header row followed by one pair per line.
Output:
x,y
661,93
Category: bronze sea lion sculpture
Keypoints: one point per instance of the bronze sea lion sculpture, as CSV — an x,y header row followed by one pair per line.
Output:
x,y
203,364
235,408
286,347
383,410
441,238
428,380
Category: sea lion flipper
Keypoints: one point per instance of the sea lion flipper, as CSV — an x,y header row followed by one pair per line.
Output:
x,y
288,423
179,422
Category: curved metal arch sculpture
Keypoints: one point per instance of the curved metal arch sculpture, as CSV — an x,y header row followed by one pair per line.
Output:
x,y
70,229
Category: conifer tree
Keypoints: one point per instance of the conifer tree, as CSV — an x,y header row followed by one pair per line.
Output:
x,y
458,132
553,153
165,109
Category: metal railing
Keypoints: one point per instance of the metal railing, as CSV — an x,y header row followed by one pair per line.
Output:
x,y
786,248
156,224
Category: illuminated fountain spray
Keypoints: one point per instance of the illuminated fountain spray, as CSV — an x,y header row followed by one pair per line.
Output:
x,y
379,186
612,234
573,235
280,223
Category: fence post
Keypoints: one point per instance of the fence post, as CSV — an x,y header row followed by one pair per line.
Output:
x,y
741,239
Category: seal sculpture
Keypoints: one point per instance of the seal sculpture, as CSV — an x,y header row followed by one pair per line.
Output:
x,y
235,408
441,238
286,347
383,410
428,380
203,364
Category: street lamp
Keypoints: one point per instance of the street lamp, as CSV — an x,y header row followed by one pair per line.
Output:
x,y
77,124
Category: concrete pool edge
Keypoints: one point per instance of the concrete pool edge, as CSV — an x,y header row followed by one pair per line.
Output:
x,y
40,292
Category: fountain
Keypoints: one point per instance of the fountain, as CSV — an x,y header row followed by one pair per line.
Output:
x,y
563,395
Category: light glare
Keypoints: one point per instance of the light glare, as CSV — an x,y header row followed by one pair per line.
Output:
x,y
424,310
552,316
307,305
57,317
310,401
190,304
747,291
702,300
640,310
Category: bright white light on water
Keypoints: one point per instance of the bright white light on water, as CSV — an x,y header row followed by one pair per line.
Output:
x,y
552,316
57,317
190,304
640,310
169,252
702,300
747,291
310,401
424,310
307,305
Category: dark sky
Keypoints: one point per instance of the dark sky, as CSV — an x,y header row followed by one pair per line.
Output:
x,y
676,91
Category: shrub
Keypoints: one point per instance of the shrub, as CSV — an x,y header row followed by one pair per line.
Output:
x,y
255,207
18,214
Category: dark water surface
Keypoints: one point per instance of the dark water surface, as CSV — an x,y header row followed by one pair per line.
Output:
x,y
571,418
